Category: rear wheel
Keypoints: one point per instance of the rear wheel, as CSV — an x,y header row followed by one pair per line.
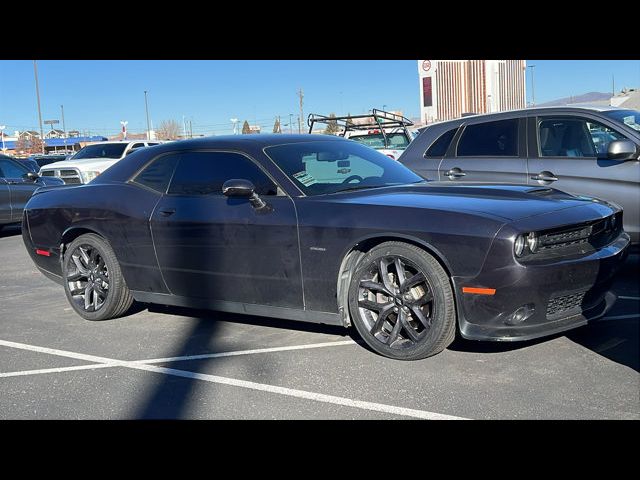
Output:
x,y
93,282
401,302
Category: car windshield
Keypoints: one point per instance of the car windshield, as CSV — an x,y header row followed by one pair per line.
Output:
x,y
102,150
631,118
323,167
398,141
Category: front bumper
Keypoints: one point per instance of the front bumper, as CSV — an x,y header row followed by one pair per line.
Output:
x,y
550,297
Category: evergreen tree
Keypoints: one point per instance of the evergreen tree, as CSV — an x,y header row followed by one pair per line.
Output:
x,y
332,126
245,128
276,126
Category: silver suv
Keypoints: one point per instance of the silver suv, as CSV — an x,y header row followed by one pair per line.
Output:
x,y
591,151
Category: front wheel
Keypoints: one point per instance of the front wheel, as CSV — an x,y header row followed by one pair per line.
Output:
x,y
401,302
93,281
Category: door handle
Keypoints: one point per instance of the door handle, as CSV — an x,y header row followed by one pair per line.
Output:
x,y
167,212
455,173
541,177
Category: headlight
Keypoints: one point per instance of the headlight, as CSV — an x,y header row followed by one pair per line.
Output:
x,y
90,175
518,246
532,241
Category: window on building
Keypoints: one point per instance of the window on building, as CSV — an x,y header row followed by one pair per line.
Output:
x,y
204,173
441,145
490,139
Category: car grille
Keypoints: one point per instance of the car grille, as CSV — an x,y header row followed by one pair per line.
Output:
x,y
582,238
563,304
70,176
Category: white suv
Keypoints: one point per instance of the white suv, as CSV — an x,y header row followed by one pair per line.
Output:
x,y
92,160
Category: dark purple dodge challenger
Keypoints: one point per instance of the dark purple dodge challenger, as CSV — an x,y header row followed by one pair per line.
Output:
x,y
322,229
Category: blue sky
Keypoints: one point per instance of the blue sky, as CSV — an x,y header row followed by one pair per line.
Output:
x,y
98,94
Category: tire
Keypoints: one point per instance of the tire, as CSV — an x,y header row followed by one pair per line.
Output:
x,y
412,314
93,281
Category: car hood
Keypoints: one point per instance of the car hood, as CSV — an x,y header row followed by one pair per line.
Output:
x,y
507,202
85,164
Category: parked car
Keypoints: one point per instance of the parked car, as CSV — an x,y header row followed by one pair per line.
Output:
x,y
321,229
92,160
384,131
581,150
17,184
35,162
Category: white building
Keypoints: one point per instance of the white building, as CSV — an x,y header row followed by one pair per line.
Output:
x,y
452,88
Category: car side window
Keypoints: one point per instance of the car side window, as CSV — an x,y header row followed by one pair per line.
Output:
x,y
490,139
157,174
441,145
137,145
574,137
204,173
8,169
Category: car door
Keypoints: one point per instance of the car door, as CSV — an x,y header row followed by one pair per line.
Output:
x,y
223,249
20,187
487,151
569,152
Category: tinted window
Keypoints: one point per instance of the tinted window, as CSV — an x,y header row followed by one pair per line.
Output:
x,y
158,174
137,145
332,166
101,150
494,139
396,141
203,173
441,145
9,169
574,137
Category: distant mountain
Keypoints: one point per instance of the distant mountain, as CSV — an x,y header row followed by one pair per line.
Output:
x,y
584,98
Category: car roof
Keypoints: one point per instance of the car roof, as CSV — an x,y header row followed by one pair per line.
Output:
x,y
528,110
256,140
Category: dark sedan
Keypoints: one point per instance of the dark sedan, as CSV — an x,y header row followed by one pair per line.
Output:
x,y
321,229
17,184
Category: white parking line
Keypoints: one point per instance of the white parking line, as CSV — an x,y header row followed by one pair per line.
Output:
x,y
56,370
290,392
246,352
623,297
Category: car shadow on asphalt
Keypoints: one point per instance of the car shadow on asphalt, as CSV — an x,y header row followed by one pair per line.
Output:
x,y
10,231
173,397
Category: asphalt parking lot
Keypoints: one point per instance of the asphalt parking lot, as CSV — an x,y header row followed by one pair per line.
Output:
x,y
185,364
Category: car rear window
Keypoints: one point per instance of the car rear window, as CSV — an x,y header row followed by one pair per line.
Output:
x,y
490,139
441,145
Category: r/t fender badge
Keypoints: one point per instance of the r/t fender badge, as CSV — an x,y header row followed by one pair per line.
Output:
x,y
318,249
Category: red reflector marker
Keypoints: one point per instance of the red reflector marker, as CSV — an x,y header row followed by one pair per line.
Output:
x,y
479,291
44,253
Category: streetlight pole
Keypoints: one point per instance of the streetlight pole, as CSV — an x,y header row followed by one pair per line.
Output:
x,y
146,106
64,129
35,72
533,92
291,123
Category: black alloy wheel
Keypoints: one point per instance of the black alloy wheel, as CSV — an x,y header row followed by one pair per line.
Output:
x,y
401,302
87,278
93,281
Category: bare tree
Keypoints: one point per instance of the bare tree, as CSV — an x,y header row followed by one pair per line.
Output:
x,y
332,126
276,126
168,130
28,145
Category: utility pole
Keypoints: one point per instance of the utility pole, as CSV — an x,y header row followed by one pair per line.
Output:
x,y
533,92
291,123
64,129
184,128
190,129
146,106
301,95
35,71
613,85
